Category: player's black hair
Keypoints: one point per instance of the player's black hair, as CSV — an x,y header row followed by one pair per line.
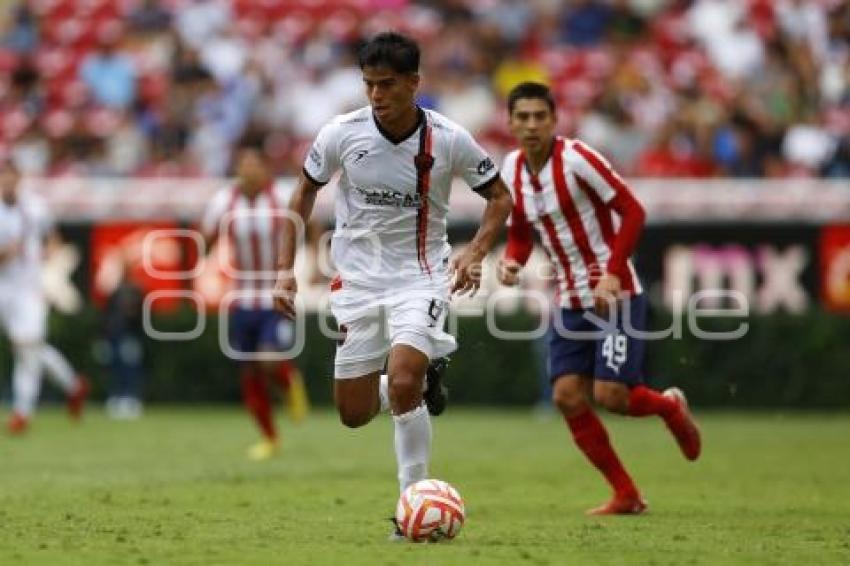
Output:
x,y
530,90
253,141
392,50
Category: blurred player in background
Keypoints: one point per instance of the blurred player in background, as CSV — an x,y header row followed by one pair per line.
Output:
x,y
248,214
24,225
390,246
568,193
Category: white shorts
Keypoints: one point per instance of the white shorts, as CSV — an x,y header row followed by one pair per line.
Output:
x,y
370,325
23,316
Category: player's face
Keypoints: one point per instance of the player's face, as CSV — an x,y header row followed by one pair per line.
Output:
x,y
251,170
533,123
390,93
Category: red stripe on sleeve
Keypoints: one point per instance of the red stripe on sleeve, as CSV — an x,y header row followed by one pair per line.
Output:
x,y
555,242
627,207
570,212
520,242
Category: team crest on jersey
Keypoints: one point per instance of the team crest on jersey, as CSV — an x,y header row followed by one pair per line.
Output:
x,y
390,197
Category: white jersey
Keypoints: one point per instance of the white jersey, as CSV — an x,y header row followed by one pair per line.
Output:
x,y
253,227
394,195
568,203
25,223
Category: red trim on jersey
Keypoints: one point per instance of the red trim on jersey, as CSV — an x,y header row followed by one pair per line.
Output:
x,y
606,226
552,234
631,213
424,162
596,162
276,221
256,254
520,242
336,283
571,215
231,228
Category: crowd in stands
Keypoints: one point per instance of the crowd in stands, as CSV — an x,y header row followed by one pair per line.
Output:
x,y
664,88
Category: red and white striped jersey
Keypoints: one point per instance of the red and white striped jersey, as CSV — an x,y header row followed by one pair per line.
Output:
x,y
570,204
253,227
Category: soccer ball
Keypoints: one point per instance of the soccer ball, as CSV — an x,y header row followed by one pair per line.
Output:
x,y
430,510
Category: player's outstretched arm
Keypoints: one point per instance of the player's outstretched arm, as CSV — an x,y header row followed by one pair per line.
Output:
x,y
467,267
300,208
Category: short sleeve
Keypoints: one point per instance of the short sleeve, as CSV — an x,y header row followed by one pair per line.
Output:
x,y
472,163
323,158
216,209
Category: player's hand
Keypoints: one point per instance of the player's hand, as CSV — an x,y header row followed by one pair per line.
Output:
x,y
284,294
466,270
508,271
606,292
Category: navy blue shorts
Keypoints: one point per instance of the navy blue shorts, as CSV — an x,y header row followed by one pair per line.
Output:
x,y
579,344
260,330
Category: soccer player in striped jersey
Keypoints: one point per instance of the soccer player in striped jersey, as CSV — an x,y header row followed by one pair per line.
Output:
x,y
570,195
390,245
249,215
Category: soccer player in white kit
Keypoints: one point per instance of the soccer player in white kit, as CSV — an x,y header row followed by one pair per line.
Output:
x,y
24,224
390,246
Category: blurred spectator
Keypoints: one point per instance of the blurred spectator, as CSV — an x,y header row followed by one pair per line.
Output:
x,y
150,17
110,75
585,22
663,87
22,35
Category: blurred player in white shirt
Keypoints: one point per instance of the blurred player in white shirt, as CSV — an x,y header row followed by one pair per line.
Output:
x,y
249,215
390,246
24,223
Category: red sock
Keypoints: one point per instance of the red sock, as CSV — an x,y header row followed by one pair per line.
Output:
x,y
256,399
591,437
283,375
644,401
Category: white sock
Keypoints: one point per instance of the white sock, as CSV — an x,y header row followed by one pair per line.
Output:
x,y
26,379
412,445
57,368
384,392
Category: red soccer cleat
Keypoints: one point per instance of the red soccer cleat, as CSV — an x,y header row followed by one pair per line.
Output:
x,y
77,398
17,424
683,426
620,505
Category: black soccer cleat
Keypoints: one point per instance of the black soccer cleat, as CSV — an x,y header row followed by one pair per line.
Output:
x,y
436,394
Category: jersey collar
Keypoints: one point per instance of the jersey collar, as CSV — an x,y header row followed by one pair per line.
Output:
x,y
405,136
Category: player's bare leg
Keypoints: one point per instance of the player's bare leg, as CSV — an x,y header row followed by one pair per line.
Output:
x,y
641,401
357,399
571,394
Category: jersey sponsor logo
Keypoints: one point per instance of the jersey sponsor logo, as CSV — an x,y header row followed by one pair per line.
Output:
x,y
390,197
359,156
485,166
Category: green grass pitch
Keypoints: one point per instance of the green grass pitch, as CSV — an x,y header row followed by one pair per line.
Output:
x,y
175,488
